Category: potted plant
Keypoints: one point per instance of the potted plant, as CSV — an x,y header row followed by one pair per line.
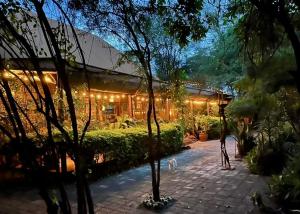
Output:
x,y
203,127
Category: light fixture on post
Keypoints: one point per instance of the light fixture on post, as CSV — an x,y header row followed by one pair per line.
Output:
x,y
224,155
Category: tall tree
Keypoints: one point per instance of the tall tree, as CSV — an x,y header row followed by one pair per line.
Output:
x,y
20,49
130,22
264,27
220,66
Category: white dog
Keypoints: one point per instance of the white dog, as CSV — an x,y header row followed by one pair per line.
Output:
x,y
172,164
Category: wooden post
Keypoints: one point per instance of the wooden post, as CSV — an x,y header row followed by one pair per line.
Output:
x,y
191,106
207,107
130,107
97,109
167,112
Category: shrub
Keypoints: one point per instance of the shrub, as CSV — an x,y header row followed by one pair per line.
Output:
x,y
285,188
267,159
264,162
214,128
129,146
272,152
210,124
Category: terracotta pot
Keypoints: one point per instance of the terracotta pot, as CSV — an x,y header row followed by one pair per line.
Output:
x,y
203,136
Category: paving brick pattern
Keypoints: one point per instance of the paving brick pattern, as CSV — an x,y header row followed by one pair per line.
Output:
x,y
198,185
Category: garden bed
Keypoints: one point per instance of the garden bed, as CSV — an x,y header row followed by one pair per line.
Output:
x,y
126,148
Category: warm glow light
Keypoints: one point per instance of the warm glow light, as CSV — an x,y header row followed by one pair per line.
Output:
x,y
47,79
25,78
213,103
111,100
83,94
112,96
118,96
138,98
156,99
198,102
186,101
76,92
98,96
143,99
6,75
123,96
105,97
92,95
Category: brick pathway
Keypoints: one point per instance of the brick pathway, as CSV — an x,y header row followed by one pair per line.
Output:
x,y
198,184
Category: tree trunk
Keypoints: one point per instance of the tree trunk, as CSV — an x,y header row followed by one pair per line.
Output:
x,y
152,145
290,30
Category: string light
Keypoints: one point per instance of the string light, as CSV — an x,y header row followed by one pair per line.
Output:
x,y
198,102
6,75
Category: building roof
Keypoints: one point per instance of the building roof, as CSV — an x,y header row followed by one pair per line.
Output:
x,y
97,52
102,61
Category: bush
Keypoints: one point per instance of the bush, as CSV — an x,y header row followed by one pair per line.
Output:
x,y
129,146
285,188
214,128
270,157
210,124
265,162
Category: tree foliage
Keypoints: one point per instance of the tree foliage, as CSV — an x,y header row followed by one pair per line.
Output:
x,y
131,22
265,27
222,65
20,49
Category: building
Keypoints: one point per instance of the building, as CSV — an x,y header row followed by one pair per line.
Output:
x,y
116,90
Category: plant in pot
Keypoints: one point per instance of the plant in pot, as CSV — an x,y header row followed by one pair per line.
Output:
x,y
202,123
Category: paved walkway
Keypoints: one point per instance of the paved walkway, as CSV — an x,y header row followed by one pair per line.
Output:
x,y
198,185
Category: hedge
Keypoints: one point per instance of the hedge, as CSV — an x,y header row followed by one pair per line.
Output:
x,y
214,128
129,146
